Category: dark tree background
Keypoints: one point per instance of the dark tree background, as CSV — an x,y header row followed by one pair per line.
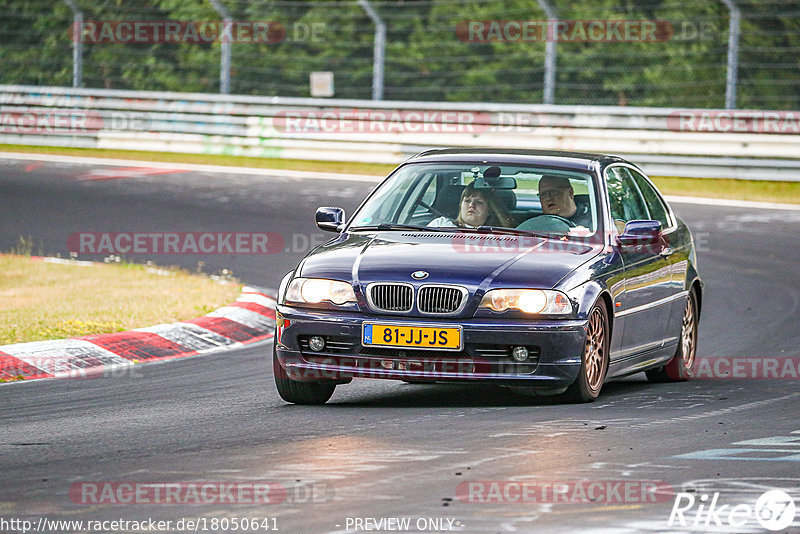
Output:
x,y
425,59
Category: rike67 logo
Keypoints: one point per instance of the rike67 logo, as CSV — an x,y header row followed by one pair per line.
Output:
x,y
774,510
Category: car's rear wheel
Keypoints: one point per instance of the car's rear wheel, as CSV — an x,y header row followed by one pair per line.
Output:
x,y
594,360
298,392
680,367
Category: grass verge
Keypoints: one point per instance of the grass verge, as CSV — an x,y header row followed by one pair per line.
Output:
x,y
759,190
40,300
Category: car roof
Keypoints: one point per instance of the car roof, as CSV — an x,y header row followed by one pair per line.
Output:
x,y
559,158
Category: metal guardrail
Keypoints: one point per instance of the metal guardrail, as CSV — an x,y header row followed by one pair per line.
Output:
x,y
388,132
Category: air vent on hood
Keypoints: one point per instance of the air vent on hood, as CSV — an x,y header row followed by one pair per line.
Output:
x,y
471,237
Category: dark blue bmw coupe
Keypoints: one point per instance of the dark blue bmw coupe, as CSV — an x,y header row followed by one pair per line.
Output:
x,y
548,271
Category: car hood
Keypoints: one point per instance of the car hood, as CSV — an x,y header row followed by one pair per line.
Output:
x,y
473,260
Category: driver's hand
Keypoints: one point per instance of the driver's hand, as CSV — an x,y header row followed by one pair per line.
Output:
x,y
580,231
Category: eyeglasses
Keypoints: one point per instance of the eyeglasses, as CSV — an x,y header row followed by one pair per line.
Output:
x,y
551,193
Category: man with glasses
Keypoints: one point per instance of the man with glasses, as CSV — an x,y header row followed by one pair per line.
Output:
x,y
558,198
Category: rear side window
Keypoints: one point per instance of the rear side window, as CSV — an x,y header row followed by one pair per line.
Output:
x,y
656,207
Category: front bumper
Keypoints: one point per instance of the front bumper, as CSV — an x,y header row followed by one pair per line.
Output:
x,y
555,348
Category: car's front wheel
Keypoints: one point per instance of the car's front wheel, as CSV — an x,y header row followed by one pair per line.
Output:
x,y
298,392
594,360
680,367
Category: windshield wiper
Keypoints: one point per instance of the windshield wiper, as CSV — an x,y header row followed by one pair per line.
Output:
x,y
395,226
508,231
450,229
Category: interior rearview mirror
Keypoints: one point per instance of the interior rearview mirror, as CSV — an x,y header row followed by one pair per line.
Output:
x,y
499,182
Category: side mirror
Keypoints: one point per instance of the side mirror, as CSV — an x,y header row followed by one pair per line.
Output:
x,y
330,219
640,233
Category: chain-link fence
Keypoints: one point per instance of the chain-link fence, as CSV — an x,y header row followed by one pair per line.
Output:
x,y
675,53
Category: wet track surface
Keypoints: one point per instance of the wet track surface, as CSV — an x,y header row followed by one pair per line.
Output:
x,y
384,449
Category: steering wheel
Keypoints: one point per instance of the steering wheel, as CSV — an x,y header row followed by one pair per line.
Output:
x,y
568,222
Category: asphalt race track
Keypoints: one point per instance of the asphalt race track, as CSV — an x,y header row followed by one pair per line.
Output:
x,y
385,450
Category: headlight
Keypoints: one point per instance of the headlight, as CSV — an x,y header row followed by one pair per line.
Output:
x,y
534,301
316,290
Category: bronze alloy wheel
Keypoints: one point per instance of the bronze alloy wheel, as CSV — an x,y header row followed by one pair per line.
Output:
x,y
681,365
594,361
688,336
594,351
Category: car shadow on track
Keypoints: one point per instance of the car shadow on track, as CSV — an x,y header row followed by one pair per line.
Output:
x,y
467,396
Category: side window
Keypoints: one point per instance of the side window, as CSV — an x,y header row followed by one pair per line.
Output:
x,y
615,194
627,203
655,205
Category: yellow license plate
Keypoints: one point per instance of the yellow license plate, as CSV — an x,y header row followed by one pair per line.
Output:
x,y
411,336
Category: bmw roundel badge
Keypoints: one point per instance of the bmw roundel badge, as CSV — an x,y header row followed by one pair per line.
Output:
x,y
419,275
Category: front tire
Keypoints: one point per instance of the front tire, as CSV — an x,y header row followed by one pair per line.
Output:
x,y
594,360
680,367
298,392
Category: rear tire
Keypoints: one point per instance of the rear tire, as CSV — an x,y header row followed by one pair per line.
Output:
x,y
680,367
299,392
594,360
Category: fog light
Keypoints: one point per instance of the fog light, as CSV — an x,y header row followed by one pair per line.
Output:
x,y
316,343
519,354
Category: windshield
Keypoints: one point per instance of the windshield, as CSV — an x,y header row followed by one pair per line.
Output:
x,y
487,197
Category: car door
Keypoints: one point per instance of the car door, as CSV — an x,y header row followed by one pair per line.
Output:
x,y
675,250
643,307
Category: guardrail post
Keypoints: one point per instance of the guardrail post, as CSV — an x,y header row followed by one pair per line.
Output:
x,y
77,43
733,54
225,56
549,53
378,50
